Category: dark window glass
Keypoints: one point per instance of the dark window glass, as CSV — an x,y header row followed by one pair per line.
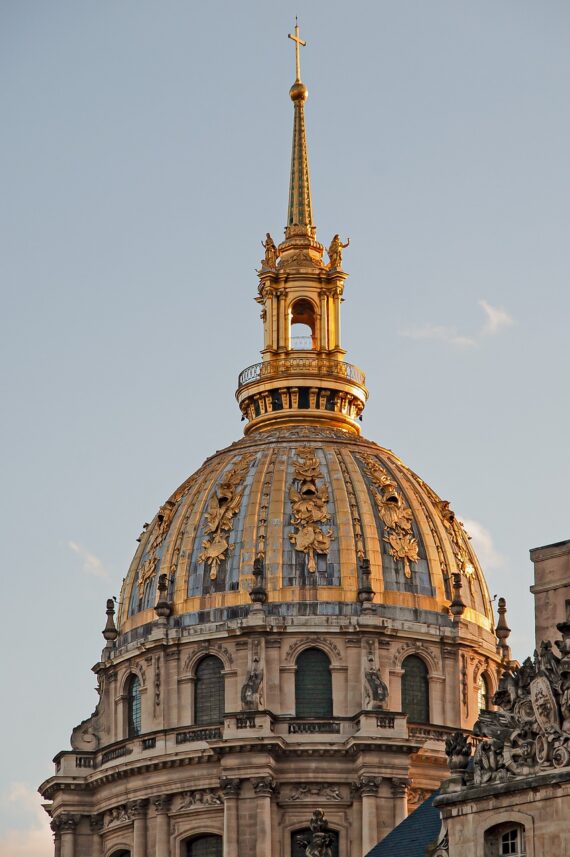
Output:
x,y
209,692
297,850
134,706
415,691
205,846
313,685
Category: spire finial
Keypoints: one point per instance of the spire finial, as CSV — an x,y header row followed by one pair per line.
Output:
x,y
298,42
300,207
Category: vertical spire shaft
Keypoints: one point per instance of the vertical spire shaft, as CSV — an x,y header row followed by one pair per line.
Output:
x,y
300,208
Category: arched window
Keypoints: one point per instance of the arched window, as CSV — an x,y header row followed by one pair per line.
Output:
x,y
303,326
297,836
133,706
505,840
415,690
209,704
313,685
208,845
483,693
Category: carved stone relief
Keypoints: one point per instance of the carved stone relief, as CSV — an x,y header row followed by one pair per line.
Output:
x,y
309,791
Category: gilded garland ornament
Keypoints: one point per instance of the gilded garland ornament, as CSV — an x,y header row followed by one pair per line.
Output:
x,y
394,512
309,508
164,517
223,506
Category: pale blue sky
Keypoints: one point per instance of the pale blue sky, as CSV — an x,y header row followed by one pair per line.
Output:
x,y
144,153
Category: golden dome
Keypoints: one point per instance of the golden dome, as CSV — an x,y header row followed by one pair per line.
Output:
x,y
312,505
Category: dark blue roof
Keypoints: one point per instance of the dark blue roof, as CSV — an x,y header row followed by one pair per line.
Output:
x,y
413,835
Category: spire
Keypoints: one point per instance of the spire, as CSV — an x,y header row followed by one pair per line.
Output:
x,y
300,209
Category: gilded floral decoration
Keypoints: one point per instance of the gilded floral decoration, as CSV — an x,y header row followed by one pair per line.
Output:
x,y
222,508
309,503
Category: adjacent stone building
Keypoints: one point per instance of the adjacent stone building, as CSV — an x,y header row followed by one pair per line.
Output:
x,y
514,796
303,624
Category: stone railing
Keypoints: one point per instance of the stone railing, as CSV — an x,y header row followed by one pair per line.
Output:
x,y
317,366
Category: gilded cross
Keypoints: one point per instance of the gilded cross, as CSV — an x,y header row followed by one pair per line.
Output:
x,y
298,42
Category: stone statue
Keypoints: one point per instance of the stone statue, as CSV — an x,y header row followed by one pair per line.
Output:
x,y
532,731
271,252
377,688
251,689
322,839
335,252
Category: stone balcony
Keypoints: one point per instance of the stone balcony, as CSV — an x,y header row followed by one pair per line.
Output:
x,y
382,726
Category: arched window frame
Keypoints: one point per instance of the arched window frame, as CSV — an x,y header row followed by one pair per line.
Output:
x,y
190,843
483,693
133,706
329,712
427,701
198,717
508,837
310,319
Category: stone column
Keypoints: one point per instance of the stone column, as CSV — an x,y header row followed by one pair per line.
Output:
x,y
137,811
264,788
161,806
367,787
68,823
230,788
96,825
400,793
55,825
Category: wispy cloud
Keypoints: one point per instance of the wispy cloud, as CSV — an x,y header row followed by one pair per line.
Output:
x,y
496,319
35,839
91,564
482,541
444,334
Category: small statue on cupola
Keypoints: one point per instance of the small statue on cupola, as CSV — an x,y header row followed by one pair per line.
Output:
x,y
335,252
271,253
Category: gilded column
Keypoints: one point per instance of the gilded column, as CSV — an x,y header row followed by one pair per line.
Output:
x,y
368,789
161,806
137,811
264,788
96,825
324,321
400,793
337,295
68,823
230,788
282,337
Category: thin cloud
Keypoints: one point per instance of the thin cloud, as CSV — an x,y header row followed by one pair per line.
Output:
x,y
35,840
496,319
91,564
482,541
444,334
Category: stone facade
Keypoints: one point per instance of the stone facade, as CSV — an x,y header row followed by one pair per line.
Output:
x,y
551,587
257,776
514,798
